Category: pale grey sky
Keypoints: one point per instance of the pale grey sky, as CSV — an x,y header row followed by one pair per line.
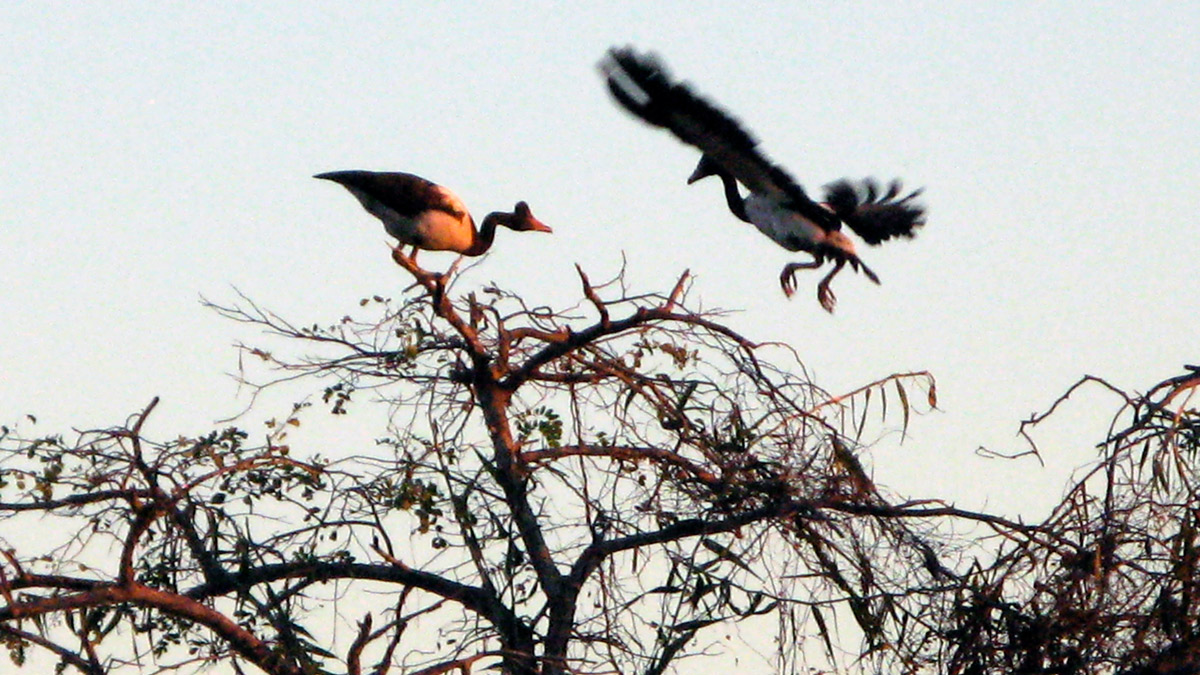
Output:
x,y
154,152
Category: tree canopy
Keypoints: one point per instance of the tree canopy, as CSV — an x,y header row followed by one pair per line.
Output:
x,y
606,487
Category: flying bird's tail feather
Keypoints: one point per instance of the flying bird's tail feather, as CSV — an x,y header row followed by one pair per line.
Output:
x,y
874,215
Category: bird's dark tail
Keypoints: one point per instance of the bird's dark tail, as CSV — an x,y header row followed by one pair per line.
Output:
x,y
860,266
875,215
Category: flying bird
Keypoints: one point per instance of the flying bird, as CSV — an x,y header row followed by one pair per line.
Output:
x,y
776,204
426,215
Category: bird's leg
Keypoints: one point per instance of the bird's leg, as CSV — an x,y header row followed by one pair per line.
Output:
x,y
434,282
787,278
825,295
398,255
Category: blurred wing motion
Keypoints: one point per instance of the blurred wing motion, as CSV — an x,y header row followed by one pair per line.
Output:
x,y
777,205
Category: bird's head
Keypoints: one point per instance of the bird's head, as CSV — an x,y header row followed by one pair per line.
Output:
x,y
838,246
522,220
707,167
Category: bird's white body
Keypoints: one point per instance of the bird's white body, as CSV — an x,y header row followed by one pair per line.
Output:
x,y
784,226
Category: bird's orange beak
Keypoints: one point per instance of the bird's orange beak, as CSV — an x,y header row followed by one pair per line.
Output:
x,y
522,220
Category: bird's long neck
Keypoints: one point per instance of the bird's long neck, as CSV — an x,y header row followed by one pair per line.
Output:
x,y
485,235
733,196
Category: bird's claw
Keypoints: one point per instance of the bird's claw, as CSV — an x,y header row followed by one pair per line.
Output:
x,y
787,280
826,297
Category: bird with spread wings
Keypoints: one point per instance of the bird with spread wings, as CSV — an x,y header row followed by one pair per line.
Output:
x,y
776,204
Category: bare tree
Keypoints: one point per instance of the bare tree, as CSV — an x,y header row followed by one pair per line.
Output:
x,y
594,489
1111,583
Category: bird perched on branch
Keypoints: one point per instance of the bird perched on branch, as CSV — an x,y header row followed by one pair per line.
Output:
x,y
776,204
426,215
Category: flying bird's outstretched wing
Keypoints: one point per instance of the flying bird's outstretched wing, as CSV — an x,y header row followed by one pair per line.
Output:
x,y
641,84
874,215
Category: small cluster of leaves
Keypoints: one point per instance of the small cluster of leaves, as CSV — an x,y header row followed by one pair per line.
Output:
x,y
16,647
217,445
542,421
276,482
339,394
419,496
165,631
680,357
39,479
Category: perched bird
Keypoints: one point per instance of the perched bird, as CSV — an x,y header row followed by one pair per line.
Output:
x,y
426,215
776,204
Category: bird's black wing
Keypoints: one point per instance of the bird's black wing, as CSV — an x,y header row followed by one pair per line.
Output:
x,y
404,193
874,215
642,85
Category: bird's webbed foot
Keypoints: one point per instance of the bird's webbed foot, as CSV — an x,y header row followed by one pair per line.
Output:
x,y
787,278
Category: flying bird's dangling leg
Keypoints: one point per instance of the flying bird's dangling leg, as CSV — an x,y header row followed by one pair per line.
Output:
x,y
825,295
787,278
